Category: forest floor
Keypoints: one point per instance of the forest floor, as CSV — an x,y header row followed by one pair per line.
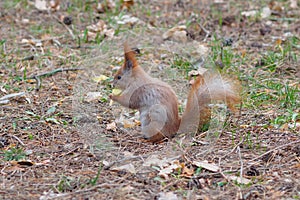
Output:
x,y
62,138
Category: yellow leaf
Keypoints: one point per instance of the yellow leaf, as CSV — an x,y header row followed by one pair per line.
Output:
x,y
100,78
116,91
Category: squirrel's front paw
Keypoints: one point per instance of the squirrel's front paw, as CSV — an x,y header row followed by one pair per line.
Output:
x,y
111,96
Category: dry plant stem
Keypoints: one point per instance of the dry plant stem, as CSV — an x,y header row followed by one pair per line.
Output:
x,y
240,157
19,140
69,30
205,30
8,96
123,160
238,144
279,147
170,184
51,73
54,72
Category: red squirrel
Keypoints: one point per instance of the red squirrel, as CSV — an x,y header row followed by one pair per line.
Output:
x,y
158,104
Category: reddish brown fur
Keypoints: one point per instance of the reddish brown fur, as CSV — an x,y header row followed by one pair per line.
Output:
x,y
158,104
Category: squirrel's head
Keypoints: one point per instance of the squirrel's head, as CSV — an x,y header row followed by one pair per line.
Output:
x,y
125,75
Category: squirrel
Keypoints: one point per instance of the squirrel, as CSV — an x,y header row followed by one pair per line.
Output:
x,y
157,102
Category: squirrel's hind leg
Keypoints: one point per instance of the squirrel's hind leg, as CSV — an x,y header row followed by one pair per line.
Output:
x,y
153,121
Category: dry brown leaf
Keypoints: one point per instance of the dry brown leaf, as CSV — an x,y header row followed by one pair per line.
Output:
x,y
126,4
112,126
55,5
106,6
100,28
177,33
188,172
22,163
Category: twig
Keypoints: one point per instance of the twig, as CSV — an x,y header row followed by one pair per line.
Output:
x,y
232,150
170,184
69,152
242,165
279,147
51,73
19,140
5,97
122,160
205,30
54,72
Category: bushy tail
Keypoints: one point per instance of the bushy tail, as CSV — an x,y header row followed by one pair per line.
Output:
x,y
205,89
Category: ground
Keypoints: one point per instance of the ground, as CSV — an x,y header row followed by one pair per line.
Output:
x,y
62,138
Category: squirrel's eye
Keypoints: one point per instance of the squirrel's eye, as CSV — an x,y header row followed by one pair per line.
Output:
x,y
119,77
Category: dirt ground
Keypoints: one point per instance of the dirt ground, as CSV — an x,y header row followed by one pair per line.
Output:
x,y
62,138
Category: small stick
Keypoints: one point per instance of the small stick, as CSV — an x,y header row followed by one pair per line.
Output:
x,y
51,73
242,165
19,140
279,147
6,97
205,30
45,74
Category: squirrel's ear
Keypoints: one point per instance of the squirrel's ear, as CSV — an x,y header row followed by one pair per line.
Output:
x,y
130,60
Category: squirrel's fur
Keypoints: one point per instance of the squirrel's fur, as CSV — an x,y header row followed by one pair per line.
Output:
x,y
158,104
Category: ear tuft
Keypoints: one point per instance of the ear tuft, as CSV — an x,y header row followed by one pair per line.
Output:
x,y
130,60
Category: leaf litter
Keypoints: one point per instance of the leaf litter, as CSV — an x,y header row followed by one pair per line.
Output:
x,y
67,151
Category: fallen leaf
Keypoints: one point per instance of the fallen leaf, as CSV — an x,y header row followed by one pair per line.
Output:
x,y
100,78
128,167
250,13
188,172
156,160
92,96
98,27
127,4
112,126
116,91
205,165
266,12
293,4
105,163
105,6
177,33
239,179
165,172
54,4
22,163
167,196
41,5
127,19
